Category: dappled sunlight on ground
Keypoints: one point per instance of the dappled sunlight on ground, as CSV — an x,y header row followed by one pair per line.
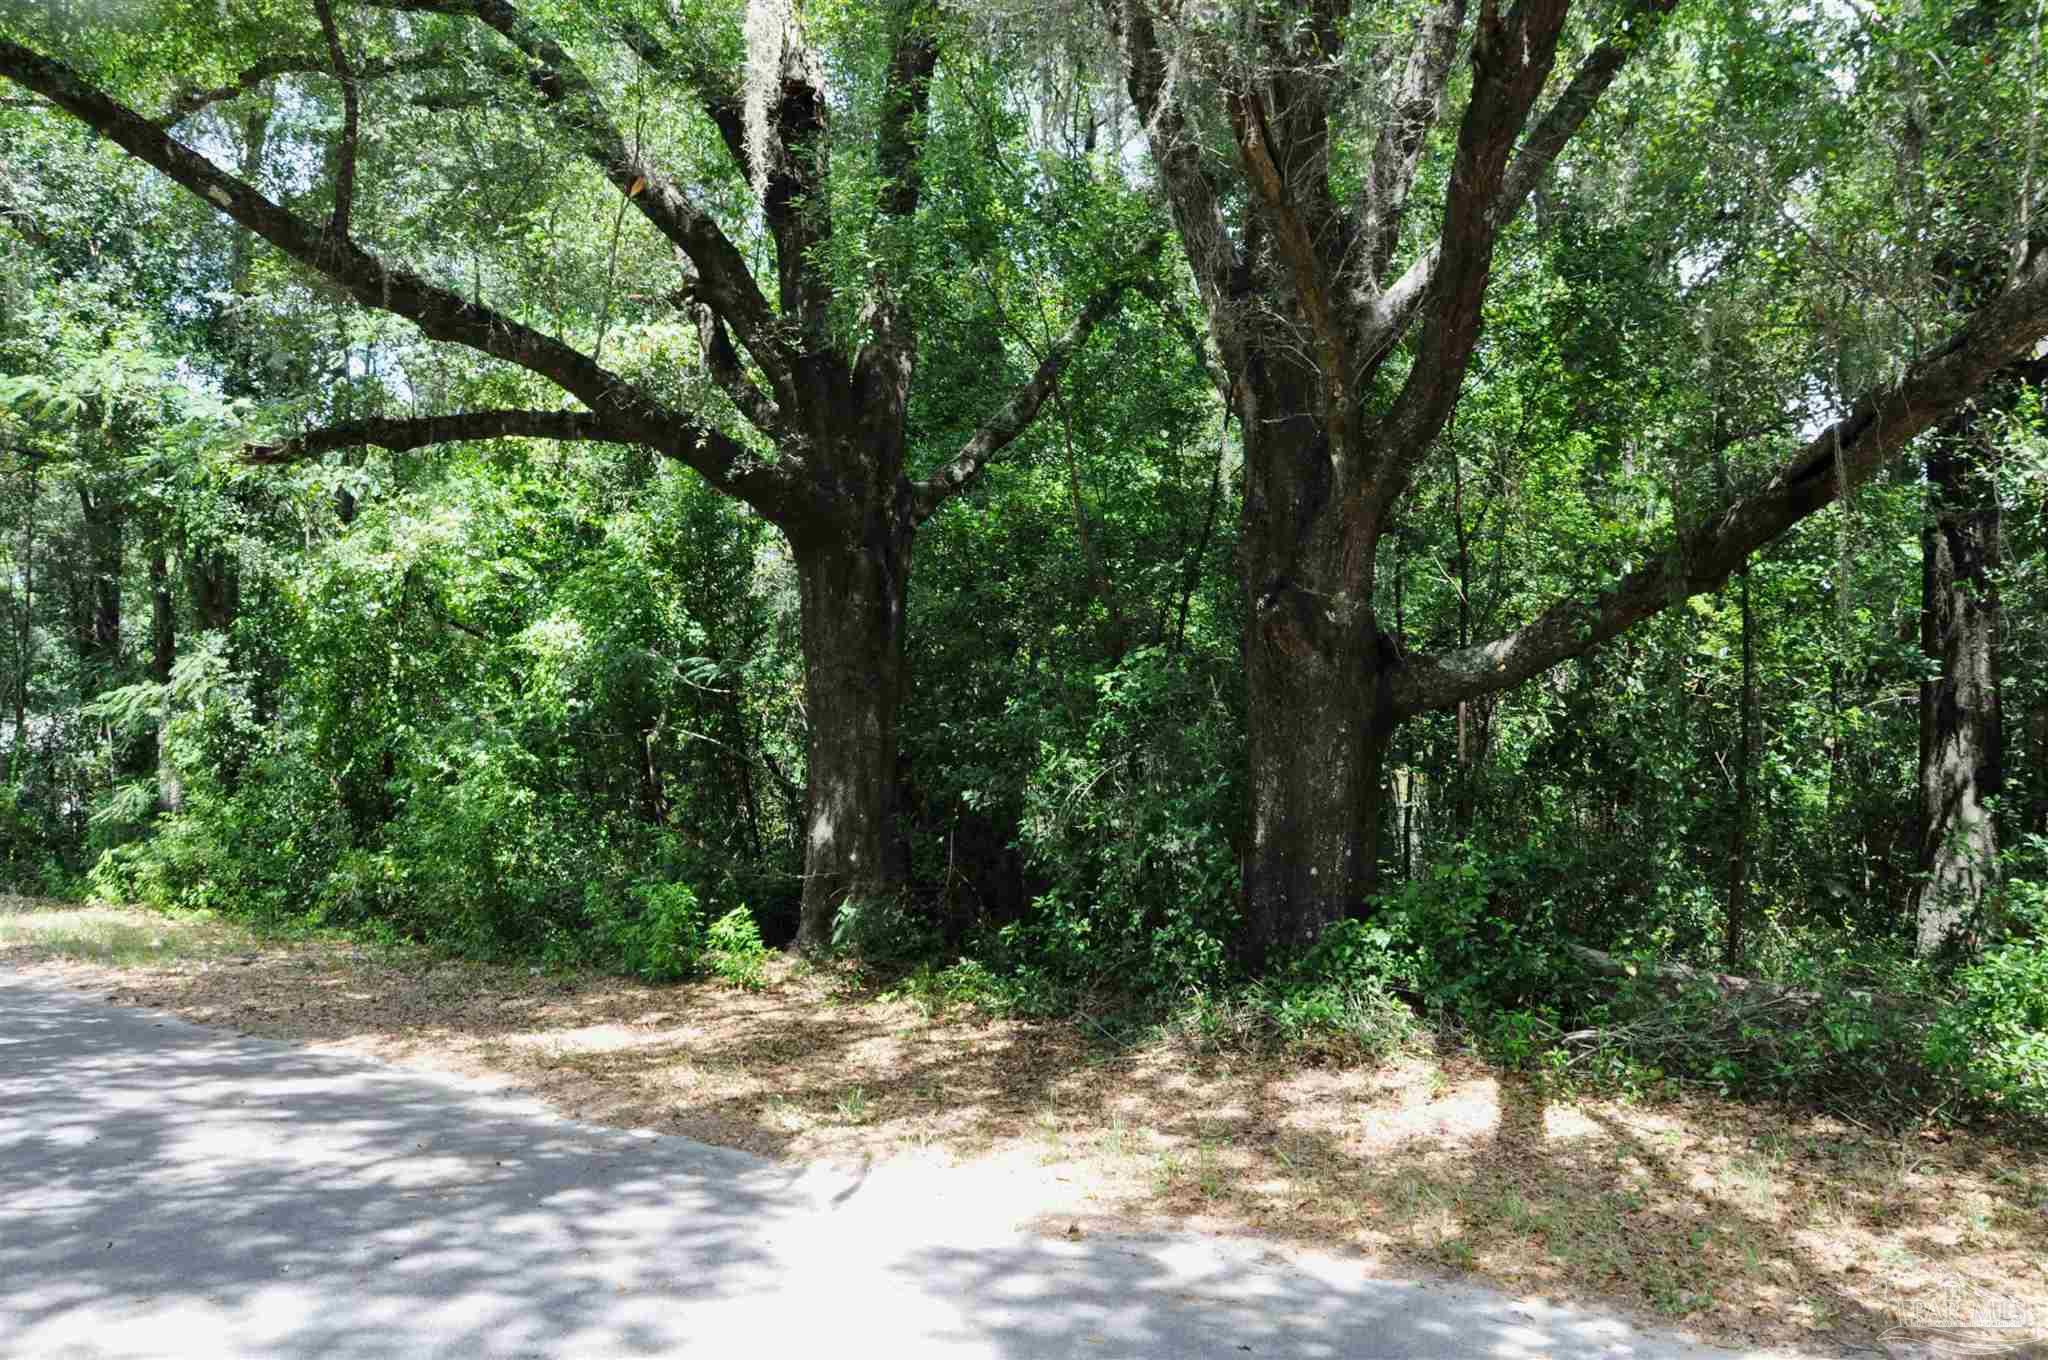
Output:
x,y
1742,1224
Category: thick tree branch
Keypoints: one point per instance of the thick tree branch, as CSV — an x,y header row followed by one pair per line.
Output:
x,y
1413,111
724,280
1390,313
1190,193
887,359
1016,415
1562,120
440,313
792,209
1841,457
351,122
726,369
1301,75
906,111
402,435
191,101
1297,243
1511,60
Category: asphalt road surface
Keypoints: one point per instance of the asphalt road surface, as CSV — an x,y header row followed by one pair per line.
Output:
x,y
171,1191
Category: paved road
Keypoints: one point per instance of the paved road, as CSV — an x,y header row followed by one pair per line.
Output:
x,y
170,1191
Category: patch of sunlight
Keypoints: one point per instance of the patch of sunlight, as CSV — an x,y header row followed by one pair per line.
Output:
x,y
116,935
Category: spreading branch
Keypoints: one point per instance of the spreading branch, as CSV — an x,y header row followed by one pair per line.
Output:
x,y
722,361
191,101
1839,458
402,435
889,355
1297,241
1177,152
792,205
1562,120
440,313
1282,125
1417,103
723,279
906,104
351,122
1511,60
1391,311
194,100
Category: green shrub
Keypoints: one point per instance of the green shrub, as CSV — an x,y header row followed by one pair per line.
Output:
x,y
1016,990
651,930
1993,1037
734,950
879,930
1120,816
1356,1021
1473,935
1338,1002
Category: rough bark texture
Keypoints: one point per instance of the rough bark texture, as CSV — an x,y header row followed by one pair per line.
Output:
x,y
1317,736
853,592
1961,738
1315,821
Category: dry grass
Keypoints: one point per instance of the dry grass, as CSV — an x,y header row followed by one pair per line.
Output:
x,y
1748,1225
33,930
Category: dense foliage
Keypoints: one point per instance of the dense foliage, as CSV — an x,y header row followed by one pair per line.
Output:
x,y
548,699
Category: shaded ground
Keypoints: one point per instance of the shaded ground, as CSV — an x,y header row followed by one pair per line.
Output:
x,y
193,1195
1745,1226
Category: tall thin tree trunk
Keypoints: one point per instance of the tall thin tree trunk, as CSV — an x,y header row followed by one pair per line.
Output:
x,y
653,798
1091,555
853,590
106,549
1191,575
163,649
215,591
25,633
1961,739
2036,823
1464,792
1745,755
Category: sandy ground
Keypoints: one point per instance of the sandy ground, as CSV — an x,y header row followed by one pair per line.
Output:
x,y
1747,1226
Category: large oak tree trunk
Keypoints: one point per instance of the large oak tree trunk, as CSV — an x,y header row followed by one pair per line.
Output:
x,y
1318,778
1961,742
1315,662
853,589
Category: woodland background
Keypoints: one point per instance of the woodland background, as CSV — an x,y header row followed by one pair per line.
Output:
x,y
268,650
